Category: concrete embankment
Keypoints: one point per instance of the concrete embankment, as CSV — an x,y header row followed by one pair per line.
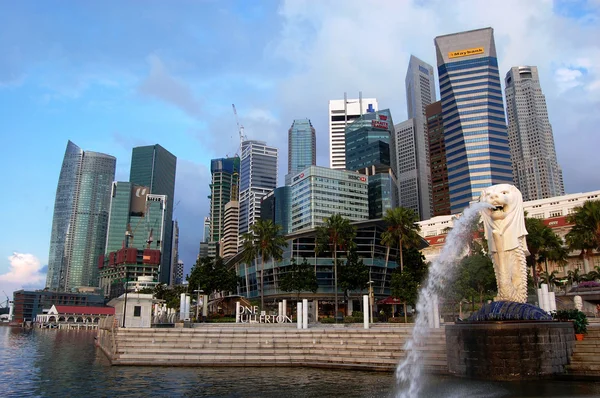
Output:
x,y
339,346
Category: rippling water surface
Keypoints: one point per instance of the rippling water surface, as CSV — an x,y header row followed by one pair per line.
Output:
x,y
52,363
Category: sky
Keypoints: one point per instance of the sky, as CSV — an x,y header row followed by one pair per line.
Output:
x,y
111,75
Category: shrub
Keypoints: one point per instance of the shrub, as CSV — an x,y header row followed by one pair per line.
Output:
x,y
579,319
588,284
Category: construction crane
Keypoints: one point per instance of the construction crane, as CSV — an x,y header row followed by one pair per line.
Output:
x,y
240,130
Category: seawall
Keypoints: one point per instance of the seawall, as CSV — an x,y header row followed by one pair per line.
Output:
x,y
331,346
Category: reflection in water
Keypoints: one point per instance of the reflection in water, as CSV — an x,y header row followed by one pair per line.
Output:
x,y
52,363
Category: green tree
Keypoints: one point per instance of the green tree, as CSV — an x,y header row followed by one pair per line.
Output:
x,y
405,283
211,275
585,234
336,234
476,278
544,245
264,241
171,295
401,227
354,275
299,278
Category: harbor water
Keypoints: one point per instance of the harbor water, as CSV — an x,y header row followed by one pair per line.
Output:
x,y
65,363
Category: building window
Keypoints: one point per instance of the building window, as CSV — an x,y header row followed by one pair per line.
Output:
x,y
557,213
137,310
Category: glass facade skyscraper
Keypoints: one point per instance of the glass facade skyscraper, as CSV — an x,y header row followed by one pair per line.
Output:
x,y
302,146
154,167
319,192
475,134
369,140
223,189
258,177
80,220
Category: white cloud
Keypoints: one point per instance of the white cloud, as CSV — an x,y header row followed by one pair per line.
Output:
x,y
567,78
160,84
25,271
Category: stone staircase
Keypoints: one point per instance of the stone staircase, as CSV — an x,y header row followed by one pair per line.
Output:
x,y
345,347
585,361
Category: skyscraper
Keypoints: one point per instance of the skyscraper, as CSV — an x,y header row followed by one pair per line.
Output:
x,y
341,113
475,134
369,143
258,176
319,192
440,197
231,226
302,146
80,220
416,175
154,167
223,189
535,168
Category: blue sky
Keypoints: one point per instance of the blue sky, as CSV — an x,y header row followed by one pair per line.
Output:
x,y
111,75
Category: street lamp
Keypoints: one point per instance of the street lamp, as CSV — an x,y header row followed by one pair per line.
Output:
x,y
198,303
371,299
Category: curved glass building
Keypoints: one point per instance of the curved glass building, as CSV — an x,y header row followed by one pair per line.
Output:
x,y
80,221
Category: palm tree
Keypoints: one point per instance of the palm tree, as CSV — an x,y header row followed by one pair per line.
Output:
x,y
402,227
335,234
543,244
585,234
264,242
550,279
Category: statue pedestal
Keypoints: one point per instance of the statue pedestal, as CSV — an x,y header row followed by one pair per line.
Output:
x,y
509,350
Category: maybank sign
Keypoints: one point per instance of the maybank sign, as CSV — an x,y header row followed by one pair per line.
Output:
x,y
465,53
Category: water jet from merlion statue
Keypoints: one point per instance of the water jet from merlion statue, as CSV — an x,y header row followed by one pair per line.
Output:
x,y
507,339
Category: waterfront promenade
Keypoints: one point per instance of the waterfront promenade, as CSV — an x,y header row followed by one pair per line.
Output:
x,y
344,346
333,346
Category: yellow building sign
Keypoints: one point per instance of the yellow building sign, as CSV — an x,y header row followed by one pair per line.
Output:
x,y
465,53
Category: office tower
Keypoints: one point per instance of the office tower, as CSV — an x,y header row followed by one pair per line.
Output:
x,y
275,206
341,113
223,189
136,237
302,146
154,167
258,177
231,222
369,139
319,192
475,135
175,252
535,168
178,274
206,230
80,220
416,175
440,195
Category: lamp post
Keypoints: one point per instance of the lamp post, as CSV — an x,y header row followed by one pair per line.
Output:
x,y
371,299
198,303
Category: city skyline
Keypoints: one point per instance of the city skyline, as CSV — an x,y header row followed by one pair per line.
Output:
x,y
109,99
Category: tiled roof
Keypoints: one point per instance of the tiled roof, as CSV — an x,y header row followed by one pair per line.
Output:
x,y
78,309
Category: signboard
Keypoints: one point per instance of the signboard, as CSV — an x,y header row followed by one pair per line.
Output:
x,y
465,53
382,117
299,176
357,177
137,205
378,124
251,315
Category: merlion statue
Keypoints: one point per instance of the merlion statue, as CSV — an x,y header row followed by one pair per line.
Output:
x,y
504,227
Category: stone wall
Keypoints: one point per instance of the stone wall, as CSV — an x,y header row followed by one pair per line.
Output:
x,y
509,350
